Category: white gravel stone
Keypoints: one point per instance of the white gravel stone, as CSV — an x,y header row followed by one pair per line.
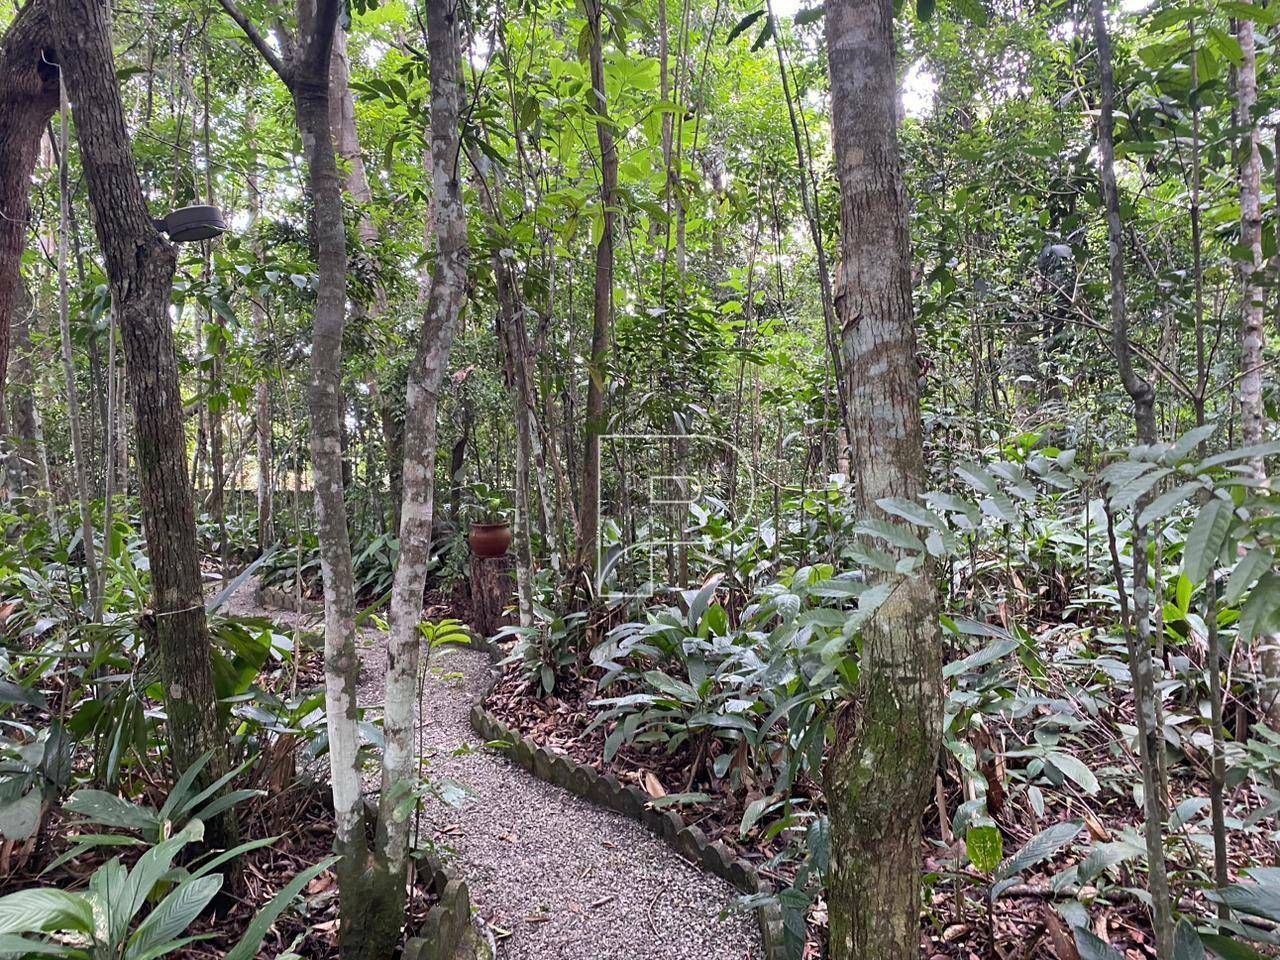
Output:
x,y
554,876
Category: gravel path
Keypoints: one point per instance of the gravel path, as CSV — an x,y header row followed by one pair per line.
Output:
x,y
554,877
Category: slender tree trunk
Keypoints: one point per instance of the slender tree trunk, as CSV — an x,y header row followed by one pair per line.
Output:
x,y
28,466
1138,631
602,311
1253,332
261,390
880,771
511,340
342,121
305,71
80,468
140,266
342,664
426,374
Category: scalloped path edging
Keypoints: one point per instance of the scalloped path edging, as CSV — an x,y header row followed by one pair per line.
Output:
x,y
553,875
686,839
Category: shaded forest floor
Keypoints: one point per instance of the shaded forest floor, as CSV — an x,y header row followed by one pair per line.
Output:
x,y
552,876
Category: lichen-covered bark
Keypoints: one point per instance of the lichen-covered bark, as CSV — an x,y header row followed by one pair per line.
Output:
x,y
310,88
140,265
426,374
1253,330
28,98
880,770
27,469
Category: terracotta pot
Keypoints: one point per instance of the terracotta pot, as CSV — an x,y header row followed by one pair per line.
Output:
x,y
489,540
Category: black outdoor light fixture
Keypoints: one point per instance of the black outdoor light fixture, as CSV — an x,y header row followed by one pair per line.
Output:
x,y
189,224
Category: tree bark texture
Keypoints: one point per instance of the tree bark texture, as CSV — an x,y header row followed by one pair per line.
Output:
x,y
602,309
1253,330
422,397
880,770
79,465
28,98
308,81
1138,632
28,465
140,266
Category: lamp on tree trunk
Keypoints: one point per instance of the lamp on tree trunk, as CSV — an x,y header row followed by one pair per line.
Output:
x,y
190,224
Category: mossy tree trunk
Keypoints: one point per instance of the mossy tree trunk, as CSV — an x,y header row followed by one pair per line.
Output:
x,y
880,770
140,266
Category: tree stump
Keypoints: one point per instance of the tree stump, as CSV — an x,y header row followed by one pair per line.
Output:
x,y
493,587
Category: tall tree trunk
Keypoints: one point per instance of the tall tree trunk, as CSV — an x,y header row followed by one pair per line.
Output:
x,y
1138,628
261,390
426,374
310,87
75,428
140,266
28,98
28,465
602,310
342,121
305,71
880,771
1253,331
513,345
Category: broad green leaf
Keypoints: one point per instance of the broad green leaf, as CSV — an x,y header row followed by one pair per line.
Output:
x,y
1040,847
43,910
1259,610
1076,769
1161,506
98,806
247,948
1091,947
1206,539
743,25
172,915
1246,573
985,847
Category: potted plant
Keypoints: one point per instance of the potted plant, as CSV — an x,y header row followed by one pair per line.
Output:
x,y
489,530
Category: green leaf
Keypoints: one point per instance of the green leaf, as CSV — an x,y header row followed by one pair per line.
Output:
x,y
1229,949
811,15
1225,44
1186,942
1075,769
15,946
1255,899
925,8
247,948
743,25
1091,947
764,36
98,806
985,847
1206,539
1251,566
1161,506
755,810
11,692
1040,847
43,910
1259,609
172,915
988,654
